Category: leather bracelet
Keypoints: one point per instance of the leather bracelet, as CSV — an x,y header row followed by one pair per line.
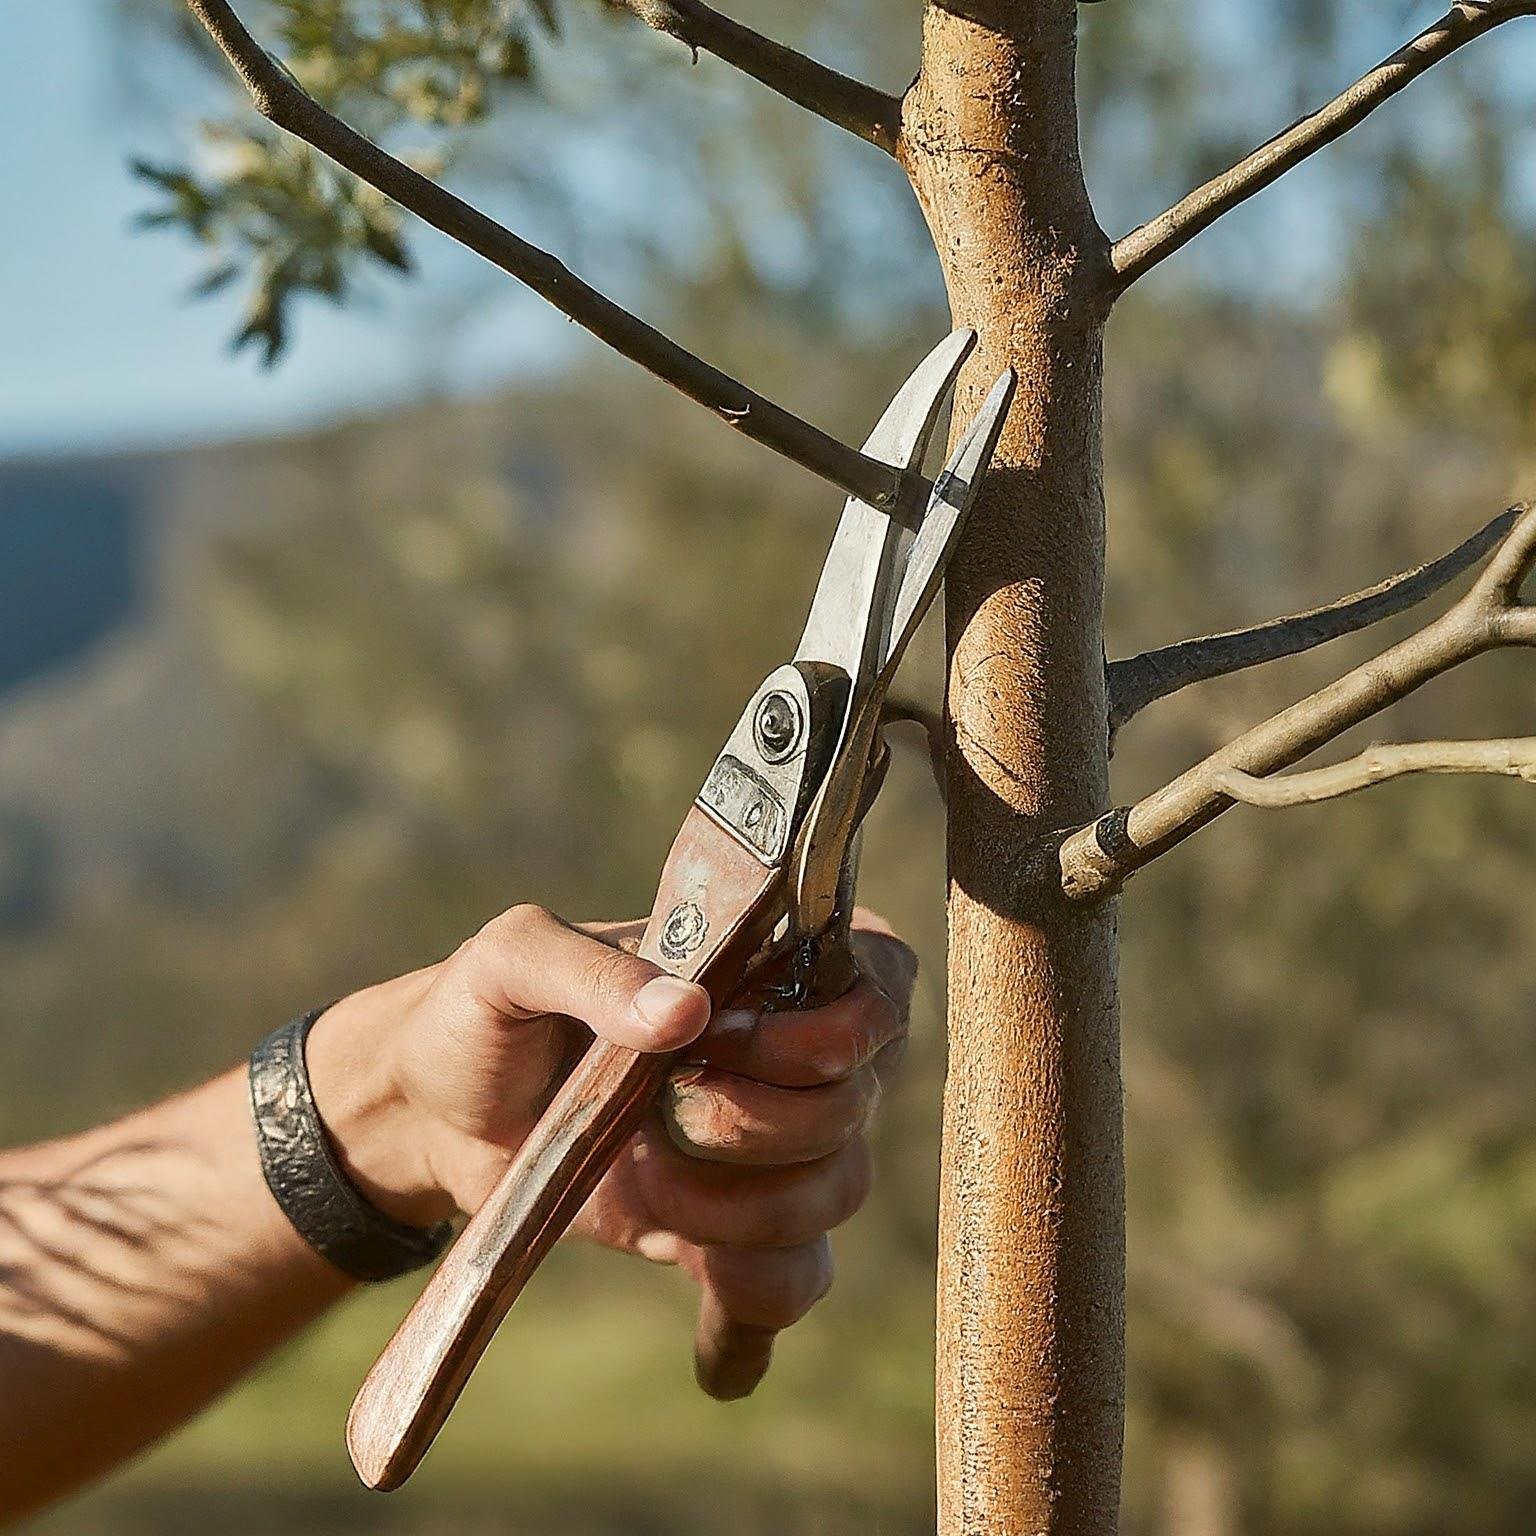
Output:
x,y
326,1209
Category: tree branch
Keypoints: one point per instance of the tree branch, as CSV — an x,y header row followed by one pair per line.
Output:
x,y
860,108
1514,757
1141,680
1143,248
930,722
278,97
1095,861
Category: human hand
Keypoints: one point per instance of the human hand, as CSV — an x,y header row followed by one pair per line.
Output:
x,y
430,1082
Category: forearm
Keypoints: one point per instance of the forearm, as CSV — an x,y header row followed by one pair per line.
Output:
x,y
143,1268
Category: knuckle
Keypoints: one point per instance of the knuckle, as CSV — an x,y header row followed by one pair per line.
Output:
x,y
840,1110
465,956
516,925
830,1193
861,1023
866,1103
613,975
835,1058
890,963
886,1020
887,1064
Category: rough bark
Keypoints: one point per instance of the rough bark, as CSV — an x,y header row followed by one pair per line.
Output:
x,y
1031,1222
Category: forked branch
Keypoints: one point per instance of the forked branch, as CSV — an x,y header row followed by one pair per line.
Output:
x,y
1095,860
1513,757
1141,680
278,97
1143,248
860,108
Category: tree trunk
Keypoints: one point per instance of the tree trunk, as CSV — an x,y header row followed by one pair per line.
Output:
x,y
1031,1219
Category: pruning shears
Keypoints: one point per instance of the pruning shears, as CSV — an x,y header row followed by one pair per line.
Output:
x,y
754,903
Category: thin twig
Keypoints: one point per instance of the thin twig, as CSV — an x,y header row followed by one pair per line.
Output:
x,y
1144,247
278,97
861,109
1141,680
1514,757
931,723
1095,860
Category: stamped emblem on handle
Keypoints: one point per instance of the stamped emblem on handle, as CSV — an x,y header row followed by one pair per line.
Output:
x,y
683,931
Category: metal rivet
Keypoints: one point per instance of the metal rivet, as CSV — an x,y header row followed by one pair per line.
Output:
x,y
777,727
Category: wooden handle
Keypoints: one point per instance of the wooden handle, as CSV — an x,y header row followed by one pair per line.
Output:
x,y
713,909
730,1358
417,1379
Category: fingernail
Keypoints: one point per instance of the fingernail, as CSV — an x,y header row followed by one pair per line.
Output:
x,y
731,1023
670,1006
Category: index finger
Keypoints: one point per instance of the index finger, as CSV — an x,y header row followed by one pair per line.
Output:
x,y
808,1048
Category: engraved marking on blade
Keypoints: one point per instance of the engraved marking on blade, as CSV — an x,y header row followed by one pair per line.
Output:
x,y
748,805
683,931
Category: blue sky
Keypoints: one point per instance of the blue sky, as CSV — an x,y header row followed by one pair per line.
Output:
x,y
98,347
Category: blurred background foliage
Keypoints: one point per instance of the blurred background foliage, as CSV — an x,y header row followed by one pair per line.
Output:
x,y
379,680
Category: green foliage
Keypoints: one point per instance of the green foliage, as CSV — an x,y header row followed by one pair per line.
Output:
x,y
271,210
1444,298
434,62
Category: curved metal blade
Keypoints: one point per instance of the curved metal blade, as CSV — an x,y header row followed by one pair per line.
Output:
x,y
847,622
938,533
827,853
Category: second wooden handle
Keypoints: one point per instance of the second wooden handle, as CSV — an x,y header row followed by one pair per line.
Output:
x,y
730,1357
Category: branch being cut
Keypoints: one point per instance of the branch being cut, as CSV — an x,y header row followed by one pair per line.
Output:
x,y
931,723
1142,680
1143,248
1513,757
1095,860
278,97
859,108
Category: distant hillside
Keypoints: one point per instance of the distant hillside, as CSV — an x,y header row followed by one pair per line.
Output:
x,y
133,769
71,559
119,747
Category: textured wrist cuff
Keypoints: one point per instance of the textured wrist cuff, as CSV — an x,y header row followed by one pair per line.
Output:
x,y
307,1181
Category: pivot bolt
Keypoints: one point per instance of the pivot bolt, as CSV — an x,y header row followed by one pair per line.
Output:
x,y
777,727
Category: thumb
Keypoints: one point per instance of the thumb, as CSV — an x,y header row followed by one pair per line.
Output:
x,y
527,962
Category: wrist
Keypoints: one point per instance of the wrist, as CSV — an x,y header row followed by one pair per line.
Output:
x,y
379,1138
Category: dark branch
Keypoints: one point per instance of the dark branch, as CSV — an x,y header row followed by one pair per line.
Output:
x,y
1096,860
860,108
931,723
1141,680
1143,248
277,96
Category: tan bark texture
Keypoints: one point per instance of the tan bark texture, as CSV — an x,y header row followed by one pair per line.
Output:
x,y
1031,1223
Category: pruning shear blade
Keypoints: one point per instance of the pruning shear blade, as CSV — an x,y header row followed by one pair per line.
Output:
x,y
845,624
878,583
